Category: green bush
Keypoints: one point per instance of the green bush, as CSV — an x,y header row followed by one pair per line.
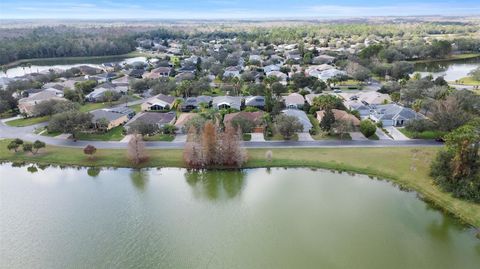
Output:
x,y
367,127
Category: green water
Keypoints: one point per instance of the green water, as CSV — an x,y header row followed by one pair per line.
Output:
x,y
258,218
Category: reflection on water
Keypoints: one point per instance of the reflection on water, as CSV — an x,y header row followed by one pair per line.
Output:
x,y
139,178
215,185
255,218
93,171
450,70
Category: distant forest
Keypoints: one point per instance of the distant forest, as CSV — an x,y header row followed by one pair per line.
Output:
x,y
46,42
71,41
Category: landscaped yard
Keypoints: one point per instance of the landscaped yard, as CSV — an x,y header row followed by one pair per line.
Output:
x,y
410,167
115,134
422,135
27,121
35,120
159,137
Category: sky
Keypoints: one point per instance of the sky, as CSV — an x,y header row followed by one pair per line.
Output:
x,y
230,9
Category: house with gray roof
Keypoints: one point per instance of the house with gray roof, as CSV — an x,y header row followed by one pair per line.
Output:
x,y
393,114
255,101
302,118
192,103
157,118
225,102
114,116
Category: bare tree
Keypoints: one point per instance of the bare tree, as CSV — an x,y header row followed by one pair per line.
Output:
x,y
136,149
209,143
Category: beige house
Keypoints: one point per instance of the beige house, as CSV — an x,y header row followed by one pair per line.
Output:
x,y
340,115
27,105
159,102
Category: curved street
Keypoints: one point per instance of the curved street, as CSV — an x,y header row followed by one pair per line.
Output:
x,y
27,133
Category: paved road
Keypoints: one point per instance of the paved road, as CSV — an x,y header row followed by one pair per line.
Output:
x,y
26,133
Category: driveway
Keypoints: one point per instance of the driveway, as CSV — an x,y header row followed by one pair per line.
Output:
x,y
396,134
180,138
304,137
381,135
357,136
257,137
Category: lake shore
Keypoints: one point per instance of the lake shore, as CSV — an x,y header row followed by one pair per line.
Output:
x,y
409,168
73,60
455,57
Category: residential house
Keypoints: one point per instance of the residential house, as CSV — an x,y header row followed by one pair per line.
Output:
x,y
270,68
255,117
255,101
192,103
309,97
323,59
294,101
363,110
159,72
114,116
232,71
98,94
27,105
330,73
225,102
302,118
282,77
184,76
340,115
393,114
159,119
160,102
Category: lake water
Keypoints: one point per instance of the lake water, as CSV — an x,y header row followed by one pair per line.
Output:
x,y
46,65
450,70
255,218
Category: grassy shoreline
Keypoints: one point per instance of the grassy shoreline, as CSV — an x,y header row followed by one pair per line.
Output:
x,y
409,168
73,60
454,57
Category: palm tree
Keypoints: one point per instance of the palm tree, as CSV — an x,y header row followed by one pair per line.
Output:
x,y
417,106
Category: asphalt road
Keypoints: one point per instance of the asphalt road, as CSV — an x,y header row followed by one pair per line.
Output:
x,y
26,133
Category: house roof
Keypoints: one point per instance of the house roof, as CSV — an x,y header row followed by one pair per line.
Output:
x,y
105,114
163,98
294,98
255,117
232,101
394,112
255,101
153,118
301,116
340,115
195,101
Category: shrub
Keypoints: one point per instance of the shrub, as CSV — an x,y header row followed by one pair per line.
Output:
x,y
367,128
89,150
420,125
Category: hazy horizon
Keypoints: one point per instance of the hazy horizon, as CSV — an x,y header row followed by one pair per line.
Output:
x,y
230,9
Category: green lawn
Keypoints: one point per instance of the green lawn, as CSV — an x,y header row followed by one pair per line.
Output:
x,y
409,167
115,134
422,135
27,121
35,120
159,137
469,81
